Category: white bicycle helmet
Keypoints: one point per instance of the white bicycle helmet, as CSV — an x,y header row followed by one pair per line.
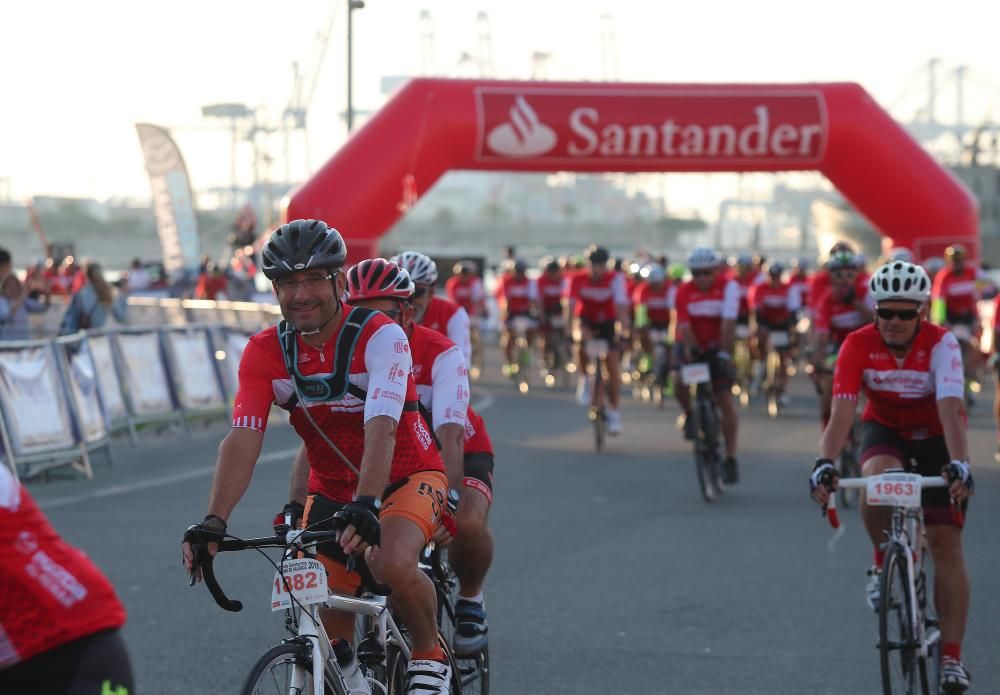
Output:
x,y
900,280
422,269
654,273
702,258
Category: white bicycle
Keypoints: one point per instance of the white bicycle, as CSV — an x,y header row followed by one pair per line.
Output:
x,y
305,663
909,639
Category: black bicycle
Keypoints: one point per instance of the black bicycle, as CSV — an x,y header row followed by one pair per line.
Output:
x,y
707,426
473,669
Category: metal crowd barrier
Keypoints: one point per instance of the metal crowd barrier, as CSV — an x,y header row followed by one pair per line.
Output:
x,y
62,399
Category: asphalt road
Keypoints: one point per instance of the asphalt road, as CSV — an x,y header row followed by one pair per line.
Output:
x,y
611,574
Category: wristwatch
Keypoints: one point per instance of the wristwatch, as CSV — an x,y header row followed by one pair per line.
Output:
x,y
368,499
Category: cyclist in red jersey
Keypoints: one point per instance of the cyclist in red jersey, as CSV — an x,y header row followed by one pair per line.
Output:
x,y
550,296
954,304
596,300
772,308
437,313
517,300
705,311
60,618
843,308
911,375
443,388
345,376
465,289
653,300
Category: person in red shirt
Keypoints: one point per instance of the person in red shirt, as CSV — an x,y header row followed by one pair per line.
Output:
x,y
772,313
345,376
653,300
954,304
705,312
60,619
517,300
466,289
911,374
550,286
596,300
212,283
843,308
996,372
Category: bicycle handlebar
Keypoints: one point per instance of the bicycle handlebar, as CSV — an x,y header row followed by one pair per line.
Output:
x,y
926,481
199,538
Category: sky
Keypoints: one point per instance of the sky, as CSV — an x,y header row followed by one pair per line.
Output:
x,y
77,76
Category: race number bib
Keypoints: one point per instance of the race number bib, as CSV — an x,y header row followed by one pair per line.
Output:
x,y
303,579
697,373
894,490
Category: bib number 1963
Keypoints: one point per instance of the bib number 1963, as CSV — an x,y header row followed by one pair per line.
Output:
x,y
894,490
303,579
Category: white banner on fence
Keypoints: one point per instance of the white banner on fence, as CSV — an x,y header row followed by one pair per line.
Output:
x,y
34,404
107,377
194,359
235,344
144,374
83,383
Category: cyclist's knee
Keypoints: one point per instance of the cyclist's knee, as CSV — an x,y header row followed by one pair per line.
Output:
x,y
879,464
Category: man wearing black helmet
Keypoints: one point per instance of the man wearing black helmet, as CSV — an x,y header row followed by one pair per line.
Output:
x,y
345,376
596,300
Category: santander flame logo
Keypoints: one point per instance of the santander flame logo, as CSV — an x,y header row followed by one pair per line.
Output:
x,y
524,135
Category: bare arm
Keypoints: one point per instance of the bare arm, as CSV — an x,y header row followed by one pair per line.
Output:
x,y
950,412
835,435
452,438
728,329
299,487
376,462
238,455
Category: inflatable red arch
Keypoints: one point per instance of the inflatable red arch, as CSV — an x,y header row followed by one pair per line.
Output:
x,y
433,125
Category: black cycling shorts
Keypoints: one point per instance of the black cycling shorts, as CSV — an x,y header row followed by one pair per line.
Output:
x,y
479,473
721,371
604,330
922,456
93,665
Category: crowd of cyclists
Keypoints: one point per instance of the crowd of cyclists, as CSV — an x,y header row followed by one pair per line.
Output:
x,y
373,366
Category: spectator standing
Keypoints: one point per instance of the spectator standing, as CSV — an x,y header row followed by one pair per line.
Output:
x,y
91,305
212,283
15,305
138,276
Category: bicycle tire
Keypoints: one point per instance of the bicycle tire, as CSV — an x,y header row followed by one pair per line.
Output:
x,y
703,454
284,657
471,667
395,669
896,645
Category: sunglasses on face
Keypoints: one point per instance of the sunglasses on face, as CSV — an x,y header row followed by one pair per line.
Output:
x,y
844,275
701,273
419,291
902,314
310,282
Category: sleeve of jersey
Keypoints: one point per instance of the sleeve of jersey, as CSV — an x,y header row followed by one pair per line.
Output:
x,y
794,298
255,393
389,364
476,292
848,372
533,290
619,291
946,366
752,297
731,300
450,381
458,331
672,297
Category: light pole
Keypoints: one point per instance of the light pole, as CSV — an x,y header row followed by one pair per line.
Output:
x,y
351,6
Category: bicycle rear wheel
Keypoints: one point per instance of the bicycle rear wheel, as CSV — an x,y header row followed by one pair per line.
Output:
x,y
897,642
704,451
286,669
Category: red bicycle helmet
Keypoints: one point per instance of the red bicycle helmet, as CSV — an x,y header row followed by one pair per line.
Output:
x,y
377,278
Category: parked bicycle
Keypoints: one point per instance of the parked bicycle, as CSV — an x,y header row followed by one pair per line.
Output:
x,y
306,663
909,639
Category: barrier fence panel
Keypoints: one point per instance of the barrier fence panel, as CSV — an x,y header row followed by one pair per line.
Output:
x,y
229,345
36,426
108,383
143,371
80,379
196,374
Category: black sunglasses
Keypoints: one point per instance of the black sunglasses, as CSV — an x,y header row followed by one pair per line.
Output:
x,y
419,291
903,314
701,273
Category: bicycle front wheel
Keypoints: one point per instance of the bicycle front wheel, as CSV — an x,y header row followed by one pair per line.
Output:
x,y
285,669
897,641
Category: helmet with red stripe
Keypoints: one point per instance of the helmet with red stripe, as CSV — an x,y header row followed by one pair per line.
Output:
x,y
377,278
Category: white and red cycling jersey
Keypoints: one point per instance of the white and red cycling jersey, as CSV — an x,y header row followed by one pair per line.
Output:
x,y
448,318
516,295
958,290
800,284
596,300
745,282
901,394
773,304
466,292
659,301
837,313
50,592
704,311
477,440
380,366
441,376
550,293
